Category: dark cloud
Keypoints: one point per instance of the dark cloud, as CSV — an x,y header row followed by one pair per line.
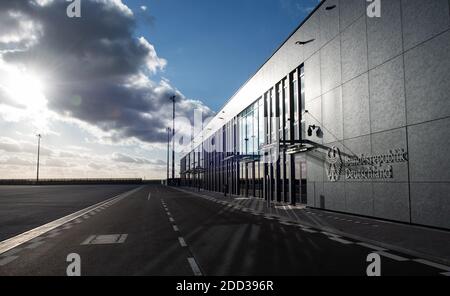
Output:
x,y
94,68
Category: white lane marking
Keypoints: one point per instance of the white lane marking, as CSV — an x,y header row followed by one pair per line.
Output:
x,y
330,234
78,221
175,228
86,217
308,230
194,267
11,252
54,234
34,245
7,260
182,242
340,240
68,226
432,264
88,240
445,273
105,239
392,256
37,239
371,246
149,196
286,223
171,219
13,242
122,238
169,214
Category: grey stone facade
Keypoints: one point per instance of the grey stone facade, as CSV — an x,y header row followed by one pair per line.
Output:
x,y
377,87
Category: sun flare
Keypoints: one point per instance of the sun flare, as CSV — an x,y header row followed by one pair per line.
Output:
x,y
25,89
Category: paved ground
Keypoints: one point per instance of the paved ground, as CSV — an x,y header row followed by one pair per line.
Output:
x,y
25,207
417,241
162,231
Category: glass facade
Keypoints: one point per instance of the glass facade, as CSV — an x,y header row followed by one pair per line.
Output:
x,y
247,156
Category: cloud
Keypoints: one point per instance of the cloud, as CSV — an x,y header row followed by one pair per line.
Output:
x,y
96,166
95,70
13,146
16,161
124,158
57,163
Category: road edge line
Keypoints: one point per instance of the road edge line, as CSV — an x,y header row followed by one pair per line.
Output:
x,y
25,237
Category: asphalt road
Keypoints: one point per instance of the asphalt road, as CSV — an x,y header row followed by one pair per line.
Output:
x,y
161,231
25,207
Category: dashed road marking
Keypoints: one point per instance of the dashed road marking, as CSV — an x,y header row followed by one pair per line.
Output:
x,y
392,256
37,239
371,246
25,237
54,234
34,245
171,219
175,228
432,264
445,273
149,196
329,234
308,230
194,267
68,226
11,252
182,242
340,240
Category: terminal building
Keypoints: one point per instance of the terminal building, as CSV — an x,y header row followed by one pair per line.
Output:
x,y
350,114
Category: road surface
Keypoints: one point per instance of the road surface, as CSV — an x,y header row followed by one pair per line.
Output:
x,y
154,230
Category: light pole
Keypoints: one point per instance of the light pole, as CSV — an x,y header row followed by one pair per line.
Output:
x,y
173,136
168,152
38,152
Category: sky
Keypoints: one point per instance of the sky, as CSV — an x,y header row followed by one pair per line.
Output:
x,y
98,88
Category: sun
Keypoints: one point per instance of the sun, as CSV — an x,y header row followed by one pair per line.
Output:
x,y
25,88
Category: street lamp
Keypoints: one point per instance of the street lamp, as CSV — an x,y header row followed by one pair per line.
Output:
x,y
172,98
168,151
38,152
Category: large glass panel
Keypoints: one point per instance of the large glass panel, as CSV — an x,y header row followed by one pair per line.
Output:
x,y
302,98
273,116
261,124
295,103
287,108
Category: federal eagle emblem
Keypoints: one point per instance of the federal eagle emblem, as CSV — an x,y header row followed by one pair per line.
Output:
x,y
334,164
